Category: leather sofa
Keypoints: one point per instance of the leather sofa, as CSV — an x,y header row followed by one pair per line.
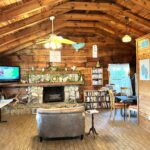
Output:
x,y
60,122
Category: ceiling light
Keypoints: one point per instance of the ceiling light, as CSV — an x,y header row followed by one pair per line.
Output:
x,y
52,45
126,38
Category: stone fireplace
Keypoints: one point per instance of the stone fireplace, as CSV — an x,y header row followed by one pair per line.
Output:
x,y
70,94
53,94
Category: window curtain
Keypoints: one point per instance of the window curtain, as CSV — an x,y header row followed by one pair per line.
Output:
x,y
119,75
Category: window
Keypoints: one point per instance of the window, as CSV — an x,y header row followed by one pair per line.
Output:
x,y
119,75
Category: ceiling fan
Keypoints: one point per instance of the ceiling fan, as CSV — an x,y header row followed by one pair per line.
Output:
x,y
55,42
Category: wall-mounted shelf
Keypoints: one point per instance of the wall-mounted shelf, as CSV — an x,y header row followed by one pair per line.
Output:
x,y
39,84
97,76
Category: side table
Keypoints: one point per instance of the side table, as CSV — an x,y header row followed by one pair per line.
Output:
x,y
92,129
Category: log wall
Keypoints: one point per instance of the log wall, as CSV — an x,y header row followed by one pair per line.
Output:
x,y
143,86
38,57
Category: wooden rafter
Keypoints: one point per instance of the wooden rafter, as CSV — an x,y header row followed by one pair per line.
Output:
x,y
144,3
27,7
14,27
106,7
28,38
43,31
13,37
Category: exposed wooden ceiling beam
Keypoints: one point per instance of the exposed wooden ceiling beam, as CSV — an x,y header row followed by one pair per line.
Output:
x,y
30,21
106,7
104,18
27,7
13,37
28,38
45,26
144,3
68,16
40,17
18,48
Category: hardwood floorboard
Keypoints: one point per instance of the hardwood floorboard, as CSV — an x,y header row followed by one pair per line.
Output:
x,y
20,133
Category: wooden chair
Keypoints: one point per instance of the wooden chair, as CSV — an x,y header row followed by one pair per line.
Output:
x,y
132,108
125,90
114,105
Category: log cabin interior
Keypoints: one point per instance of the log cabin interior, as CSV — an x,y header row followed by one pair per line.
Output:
x,y
66,65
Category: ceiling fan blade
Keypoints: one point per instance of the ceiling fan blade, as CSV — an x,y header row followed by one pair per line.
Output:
x,y
62,40
43,41
78,46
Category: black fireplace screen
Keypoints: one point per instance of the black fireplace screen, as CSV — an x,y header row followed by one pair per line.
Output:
x,y
53,94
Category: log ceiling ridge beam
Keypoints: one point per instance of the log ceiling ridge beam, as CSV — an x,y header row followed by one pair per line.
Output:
x,y
106,7
26,7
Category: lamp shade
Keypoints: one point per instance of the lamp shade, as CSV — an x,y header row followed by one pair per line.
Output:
x,y
53,45
126,38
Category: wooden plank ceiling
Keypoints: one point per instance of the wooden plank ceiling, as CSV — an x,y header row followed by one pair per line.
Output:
x,y
23,22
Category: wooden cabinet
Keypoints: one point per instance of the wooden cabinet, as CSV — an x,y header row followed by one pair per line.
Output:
x,y
97,76
96,99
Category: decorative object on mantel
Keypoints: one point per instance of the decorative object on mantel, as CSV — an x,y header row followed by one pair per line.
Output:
x,y
54,75
97,64
73,68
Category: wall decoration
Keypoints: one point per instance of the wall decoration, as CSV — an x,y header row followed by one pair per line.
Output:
x,y
145,69
142,44
55,56
94,51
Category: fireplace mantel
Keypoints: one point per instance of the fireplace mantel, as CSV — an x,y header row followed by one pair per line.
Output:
x,y
39,84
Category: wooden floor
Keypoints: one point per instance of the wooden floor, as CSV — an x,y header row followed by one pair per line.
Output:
x,y
20,133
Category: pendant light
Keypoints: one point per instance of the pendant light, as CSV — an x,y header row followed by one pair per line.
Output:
x,y
126,38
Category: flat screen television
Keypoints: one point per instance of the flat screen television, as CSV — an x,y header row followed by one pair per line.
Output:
x,y
9,73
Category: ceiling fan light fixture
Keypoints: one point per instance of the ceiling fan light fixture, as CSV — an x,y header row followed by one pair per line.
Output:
x,y
126,38
53,45
47,45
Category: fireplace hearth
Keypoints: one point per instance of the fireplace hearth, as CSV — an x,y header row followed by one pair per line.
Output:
x,y
53,94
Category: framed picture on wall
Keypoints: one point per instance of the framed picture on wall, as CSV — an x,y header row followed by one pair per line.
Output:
x,y
143,44
55,56
94,51
145,69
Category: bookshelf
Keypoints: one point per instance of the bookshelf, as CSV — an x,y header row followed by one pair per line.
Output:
x,y
97,76
95,99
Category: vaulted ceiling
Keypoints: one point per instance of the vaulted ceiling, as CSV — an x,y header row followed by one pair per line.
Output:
x,y
23,22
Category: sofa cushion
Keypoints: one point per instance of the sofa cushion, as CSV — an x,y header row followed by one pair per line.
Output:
x,y
61,110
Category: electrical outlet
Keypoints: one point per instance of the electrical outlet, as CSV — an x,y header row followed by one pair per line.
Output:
x,y
149,118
